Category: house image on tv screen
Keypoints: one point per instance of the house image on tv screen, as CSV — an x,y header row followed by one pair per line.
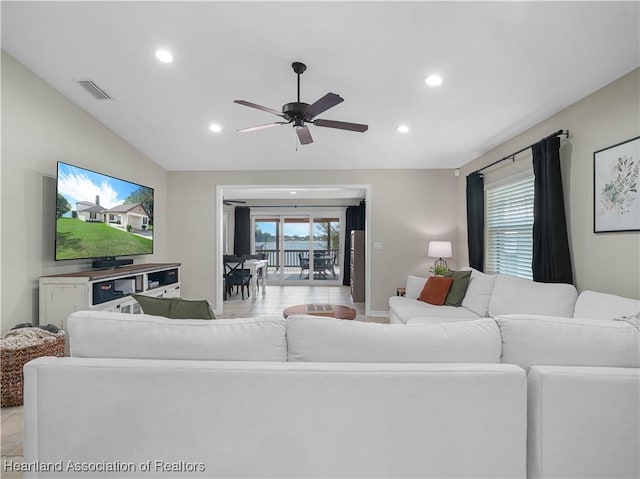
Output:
x,y
126,214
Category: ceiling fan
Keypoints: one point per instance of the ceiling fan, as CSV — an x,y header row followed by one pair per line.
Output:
x,y
300,113
229,202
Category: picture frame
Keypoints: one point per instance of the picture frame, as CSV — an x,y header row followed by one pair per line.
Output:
x,y
616,203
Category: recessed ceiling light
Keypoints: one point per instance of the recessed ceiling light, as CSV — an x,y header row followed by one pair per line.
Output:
x,y
433,80
215,127
293,192
403,128
164,56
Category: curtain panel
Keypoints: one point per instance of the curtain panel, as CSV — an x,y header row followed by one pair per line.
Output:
x,y
475,220
242,231
551,257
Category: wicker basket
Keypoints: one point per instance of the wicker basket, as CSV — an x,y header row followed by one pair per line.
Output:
x,y
13,360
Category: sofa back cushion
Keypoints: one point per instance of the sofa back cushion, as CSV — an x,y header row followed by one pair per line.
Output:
x,y
532,340
513,295
414,286
591,304
479,291
333,340
99,334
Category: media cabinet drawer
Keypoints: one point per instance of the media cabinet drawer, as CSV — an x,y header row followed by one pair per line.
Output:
x,y
104,291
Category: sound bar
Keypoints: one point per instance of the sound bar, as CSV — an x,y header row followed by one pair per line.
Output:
x,y
111,263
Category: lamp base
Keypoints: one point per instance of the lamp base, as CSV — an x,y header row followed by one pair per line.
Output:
x,y
440,263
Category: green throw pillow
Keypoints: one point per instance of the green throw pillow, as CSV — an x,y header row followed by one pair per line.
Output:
x,y
458,287
175,308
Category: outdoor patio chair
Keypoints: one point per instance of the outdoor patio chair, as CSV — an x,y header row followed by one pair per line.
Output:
x,y
304,263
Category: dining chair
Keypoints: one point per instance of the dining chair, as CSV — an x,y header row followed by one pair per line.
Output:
x,y
235,274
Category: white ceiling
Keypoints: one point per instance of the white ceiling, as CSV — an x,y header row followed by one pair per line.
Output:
x,y
506,66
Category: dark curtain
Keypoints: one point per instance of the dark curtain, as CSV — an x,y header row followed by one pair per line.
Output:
x,y
355,218
475,220
242,231
551,258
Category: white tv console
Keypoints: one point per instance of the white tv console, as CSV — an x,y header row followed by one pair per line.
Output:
x,y
105,290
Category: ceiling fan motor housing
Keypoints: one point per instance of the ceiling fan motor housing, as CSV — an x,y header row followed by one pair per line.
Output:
x,y
295,111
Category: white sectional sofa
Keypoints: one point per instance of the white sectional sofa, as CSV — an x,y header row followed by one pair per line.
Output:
x,y
342,401
507,397
486,295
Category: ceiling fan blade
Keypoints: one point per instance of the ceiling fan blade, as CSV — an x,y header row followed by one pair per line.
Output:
x,y
342,125
262,127
323,104
304,135
259,107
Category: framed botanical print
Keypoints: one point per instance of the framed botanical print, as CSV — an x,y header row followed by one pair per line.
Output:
x,y
616,205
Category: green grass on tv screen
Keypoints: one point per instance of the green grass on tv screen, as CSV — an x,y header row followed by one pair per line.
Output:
x,y
80,239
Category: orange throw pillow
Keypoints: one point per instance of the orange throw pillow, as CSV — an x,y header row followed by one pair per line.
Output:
x,y
435,290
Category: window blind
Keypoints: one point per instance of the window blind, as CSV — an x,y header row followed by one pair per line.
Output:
x,y
509,226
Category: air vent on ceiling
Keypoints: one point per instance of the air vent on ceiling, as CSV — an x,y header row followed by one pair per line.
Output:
x,y
94,89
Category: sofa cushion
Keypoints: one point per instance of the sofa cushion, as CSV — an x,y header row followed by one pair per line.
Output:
x,y
458,287
513,295
100,334
175,308
414,286
478,292
583,422
435,290
591,304
438,320
404,309
529,340
333,340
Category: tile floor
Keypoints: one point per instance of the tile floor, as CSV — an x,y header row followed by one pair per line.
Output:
x,y
276,299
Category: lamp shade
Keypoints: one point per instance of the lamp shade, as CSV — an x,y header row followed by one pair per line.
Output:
x,y
439,249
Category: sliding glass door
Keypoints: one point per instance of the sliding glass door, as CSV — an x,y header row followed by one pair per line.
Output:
x,y
296,246
301,248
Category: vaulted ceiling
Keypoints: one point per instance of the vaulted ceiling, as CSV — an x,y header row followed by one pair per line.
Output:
x,y
505,66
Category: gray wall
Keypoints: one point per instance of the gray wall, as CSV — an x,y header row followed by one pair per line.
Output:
x,y
606,262
407,207
40,127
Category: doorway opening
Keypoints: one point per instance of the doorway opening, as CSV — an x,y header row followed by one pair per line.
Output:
x,y
319,209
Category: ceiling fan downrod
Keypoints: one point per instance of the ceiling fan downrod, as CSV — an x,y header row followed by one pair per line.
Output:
x,y
299,68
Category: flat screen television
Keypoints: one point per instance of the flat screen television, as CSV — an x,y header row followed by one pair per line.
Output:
x,y
100,217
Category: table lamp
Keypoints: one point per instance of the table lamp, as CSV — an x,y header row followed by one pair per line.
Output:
x,y
440,249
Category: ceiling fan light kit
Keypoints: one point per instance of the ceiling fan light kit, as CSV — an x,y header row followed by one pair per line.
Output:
x,y
300,113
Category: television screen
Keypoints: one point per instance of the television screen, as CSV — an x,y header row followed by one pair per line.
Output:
x,y
99,216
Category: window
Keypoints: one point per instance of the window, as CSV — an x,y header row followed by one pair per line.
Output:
x,y
510,228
